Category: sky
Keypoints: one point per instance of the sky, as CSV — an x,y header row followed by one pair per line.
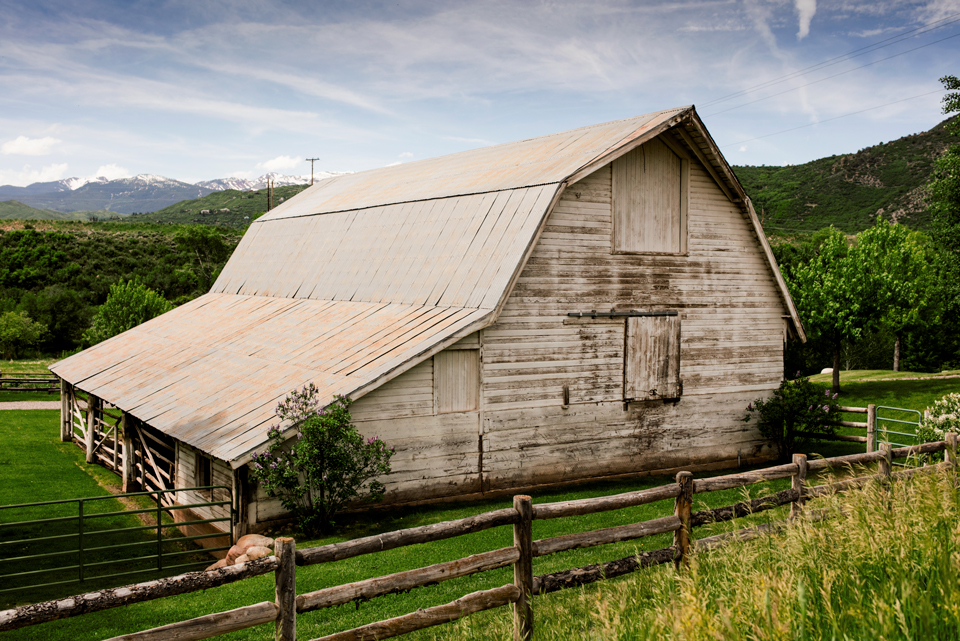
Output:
x,y
197,90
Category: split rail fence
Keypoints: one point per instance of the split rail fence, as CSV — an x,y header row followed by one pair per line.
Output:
x,y
29,382
287,604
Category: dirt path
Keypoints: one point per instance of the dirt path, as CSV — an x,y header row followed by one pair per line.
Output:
x,y
30,405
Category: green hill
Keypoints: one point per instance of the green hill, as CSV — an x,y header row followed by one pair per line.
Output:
x,y
16,209
242,206
848,191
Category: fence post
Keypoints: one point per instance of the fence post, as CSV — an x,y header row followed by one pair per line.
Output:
x,y
90,436
286,589
66,434
128,475
682,508
798,483
950,454
871,427
523,569
886,463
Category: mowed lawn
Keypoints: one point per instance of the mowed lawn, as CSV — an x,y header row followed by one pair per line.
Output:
x,y
311,625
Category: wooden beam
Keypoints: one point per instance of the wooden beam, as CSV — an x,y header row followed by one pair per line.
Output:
x,y
127,474
614,534
523,569
286,589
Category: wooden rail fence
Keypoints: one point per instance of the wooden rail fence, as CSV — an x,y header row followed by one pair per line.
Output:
x,y
29,382
286,603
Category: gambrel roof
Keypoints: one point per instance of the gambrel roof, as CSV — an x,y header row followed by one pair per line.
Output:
x,y
359,278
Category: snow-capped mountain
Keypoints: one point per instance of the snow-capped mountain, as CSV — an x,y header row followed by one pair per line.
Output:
x,y
141,193
279,180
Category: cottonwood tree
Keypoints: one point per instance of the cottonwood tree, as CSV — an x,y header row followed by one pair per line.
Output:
x,y
830,292
899,275
943,192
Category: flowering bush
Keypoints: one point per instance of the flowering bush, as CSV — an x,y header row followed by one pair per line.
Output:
x,y
796,412
327,464
943,417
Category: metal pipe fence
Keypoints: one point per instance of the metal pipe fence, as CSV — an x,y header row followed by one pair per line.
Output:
x,y
87,537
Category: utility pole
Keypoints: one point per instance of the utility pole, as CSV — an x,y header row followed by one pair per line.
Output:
x,y
312,160
269,194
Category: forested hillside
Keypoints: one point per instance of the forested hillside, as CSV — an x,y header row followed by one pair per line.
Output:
x,y
58,272
848,191
242,206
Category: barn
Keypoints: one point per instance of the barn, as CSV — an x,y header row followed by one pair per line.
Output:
x,y
588,304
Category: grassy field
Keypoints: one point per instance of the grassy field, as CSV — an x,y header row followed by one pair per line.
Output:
x,y
490,625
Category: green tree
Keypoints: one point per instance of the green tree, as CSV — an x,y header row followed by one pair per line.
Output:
x,y
129,304
831,294
209,249
17,331
325,466
64,313
898,269
943,191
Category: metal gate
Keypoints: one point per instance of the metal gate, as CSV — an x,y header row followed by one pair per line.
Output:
x,y
89,540
896,417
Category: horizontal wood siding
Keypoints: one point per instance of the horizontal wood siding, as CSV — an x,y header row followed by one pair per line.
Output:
x,y
731,345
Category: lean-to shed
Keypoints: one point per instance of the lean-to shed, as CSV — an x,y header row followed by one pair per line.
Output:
x,y
590,303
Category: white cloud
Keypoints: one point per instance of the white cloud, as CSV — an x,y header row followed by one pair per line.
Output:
x,y
405,154
280,163
112,172
805,10
23,146
393,164
28,175
743,148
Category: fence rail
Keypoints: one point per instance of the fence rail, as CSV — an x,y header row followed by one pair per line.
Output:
x,y
288,604
29,382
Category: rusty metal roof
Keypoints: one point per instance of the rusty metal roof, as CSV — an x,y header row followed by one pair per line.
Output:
x,y
350,283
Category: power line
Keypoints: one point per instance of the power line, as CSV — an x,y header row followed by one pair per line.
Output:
x,y
929,44
852,113
836,60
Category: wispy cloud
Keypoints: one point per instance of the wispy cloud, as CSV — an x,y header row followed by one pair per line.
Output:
x,y
280,163
28,175
806,9
111,172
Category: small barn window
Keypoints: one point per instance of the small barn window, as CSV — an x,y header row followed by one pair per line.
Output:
x,y
652,358
650,200
202,473
456,380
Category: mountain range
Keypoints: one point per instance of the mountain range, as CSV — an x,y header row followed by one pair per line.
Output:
x,y
142,193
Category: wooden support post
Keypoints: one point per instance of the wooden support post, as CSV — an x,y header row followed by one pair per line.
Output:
x,y
91,435
886,463
950,454
66,432
871,428
286,589
682,508
798,483
128,474
523,569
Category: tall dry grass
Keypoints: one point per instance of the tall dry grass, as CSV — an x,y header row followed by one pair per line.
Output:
x,y
883,566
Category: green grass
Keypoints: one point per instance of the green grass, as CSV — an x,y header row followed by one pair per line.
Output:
x,y
311,625
858,376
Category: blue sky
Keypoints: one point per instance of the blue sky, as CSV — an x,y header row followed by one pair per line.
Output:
x,y
202,89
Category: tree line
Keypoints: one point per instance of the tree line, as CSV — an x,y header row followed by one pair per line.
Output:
x,y
888,296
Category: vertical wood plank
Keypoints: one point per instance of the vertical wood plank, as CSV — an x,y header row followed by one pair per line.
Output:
x,y
286,589
457,380
523,569
683,505
798,482
871,428
128,476
92,406
66,433
886,463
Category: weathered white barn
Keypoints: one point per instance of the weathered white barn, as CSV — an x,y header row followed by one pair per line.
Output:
x,y
591,303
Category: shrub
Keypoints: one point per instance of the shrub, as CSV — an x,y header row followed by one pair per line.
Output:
x,y
325,466
128,305
797,412
943,417
17,331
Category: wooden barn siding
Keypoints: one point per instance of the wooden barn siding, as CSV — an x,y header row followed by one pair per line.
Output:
x,y
221,474
731,345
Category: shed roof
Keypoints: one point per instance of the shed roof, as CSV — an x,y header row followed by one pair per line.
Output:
x,y
355,280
